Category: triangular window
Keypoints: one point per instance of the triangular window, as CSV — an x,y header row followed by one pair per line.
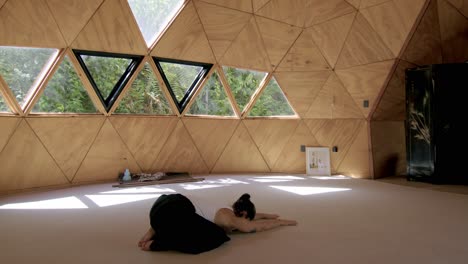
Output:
x,y
3,106
145,96
182,78
108,72
272,102
243,83
153,16
65,93
23,68
212,99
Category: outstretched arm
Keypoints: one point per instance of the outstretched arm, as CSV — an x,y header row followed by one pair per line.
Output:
x,y
265,216
247,226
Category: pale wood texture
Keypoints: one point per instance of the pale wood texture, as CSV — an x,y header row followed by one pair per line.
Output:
x,y
247,50
222,25
369,3
185,39
319,11
112,29
453,30
410,10
301,88
29,23
2,2
365,82
210,136
331,35
388,148
292,12
107,157
242,5
355,3
8,125
356,161
304,55
144,136
257,4
362,46
291,159
322,105
271,136
241,154
25,148
461,5
72,15
67,139
180,154
343,105
278,37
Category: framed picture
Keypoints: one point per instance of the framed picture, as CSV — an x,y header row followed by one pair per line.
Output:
x,y
318,161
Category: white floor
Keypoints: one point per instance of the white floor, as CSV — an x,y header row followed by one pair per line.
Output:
x,y
341,220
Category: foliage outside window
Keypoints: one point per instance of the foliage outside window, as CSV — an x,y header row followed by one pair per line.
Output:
x,y
3,106
153,16
272,102
180,77
243,83
20,68
145,96
212,100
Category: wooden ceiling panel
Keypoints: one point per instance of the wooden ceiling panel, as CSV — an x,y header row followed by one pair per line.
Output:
x,y
8,125
368,3
112,29
77,134
291,12
210,136
2,2
107,157
277,37
247,50
241,154
454,31
180,154
185,39
319,11
365,82
461,5
388,148
301,88
222,25
257,4
25,163
144,137
355,3
356,163
242,5
72,15
322,105
29,23
410,10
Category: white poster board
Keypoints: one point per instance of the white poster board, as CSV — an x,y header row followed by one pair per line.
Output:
x,y
318,161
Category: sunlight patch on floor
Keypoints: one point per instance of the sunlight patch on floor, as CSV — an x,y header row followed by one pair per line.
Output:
x,y
309,190
142,190
60,203
109,200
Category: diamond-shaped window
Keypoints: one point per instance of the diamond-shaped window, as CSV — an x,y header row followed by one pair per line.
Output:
x,y
145,96
272,102
3,106
153,16
23,68
182,78
108,72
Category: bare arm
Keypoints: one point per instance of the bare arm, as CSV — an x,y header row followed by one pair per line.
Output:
x,y
265,216
247,226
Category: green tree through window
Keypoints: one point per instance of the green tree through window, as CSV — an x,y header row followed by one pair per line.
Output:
x,y
3,106
272,102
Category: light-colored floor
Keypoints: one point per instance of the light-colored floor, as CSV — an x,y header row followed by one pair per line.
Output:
x,y
401,180
341,220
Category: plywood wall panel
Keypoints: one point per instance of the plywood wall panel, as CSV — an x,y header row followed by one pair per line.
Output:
x,y
29,23
369,3
107,157
344,105
72,15
144,136
112,29
8,126
388,148
242,5
292,12
410,10
77,134
356,163
454,33
319,11
185,39
355,3
322,105
461,5
2,2
25,163
257,4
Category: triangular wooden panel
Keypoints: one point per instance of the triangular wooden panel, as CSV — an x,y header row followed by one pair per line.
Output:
x,y
25,163
241,154
365,82
409,10
180,154
107,157
427,32
257,4
461,5
185,39
392,105
344,105
288,11
331,35
319,11
210,136
2,2
454,33
386,20
222,25
356,162
369,3
77,134
112,29
271,136
291,159
144,137
8,125
242,5
322,105
247,50
338,133
278,38
29,23
304,55
72,15
301,88
355,3
362,46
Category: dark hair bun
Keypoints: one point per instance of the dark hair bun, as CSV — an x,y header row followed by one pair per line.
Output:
x,y
245,196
